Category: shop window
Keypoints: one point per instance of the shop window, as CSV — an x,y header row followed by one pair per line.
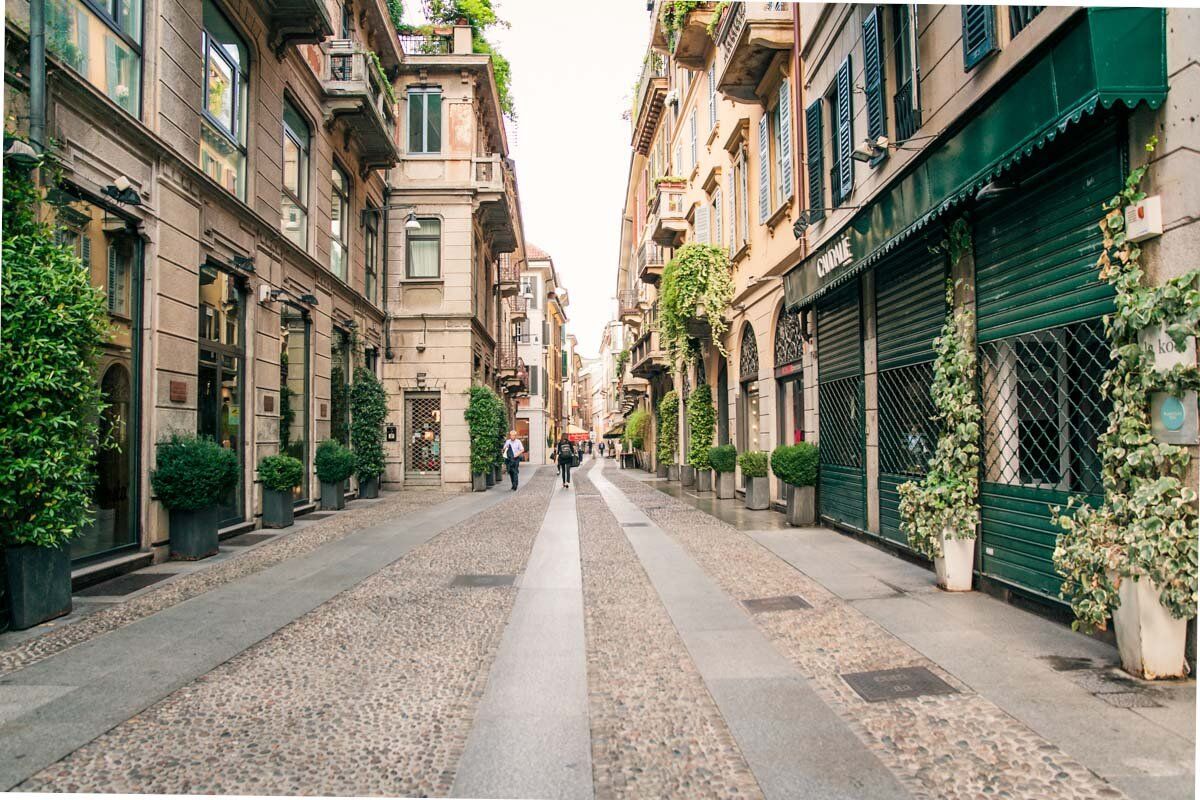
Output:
x,y
340,375
423,429
425,120
339,222
297,139
102,41
424,249
221,374
224,120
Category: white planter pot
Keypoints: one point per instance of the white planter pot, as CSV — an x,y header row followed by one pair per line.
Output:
x,y
956,567
1151,641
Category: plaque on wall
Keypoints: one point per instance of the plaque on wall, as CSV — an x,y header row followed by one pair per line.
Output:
x,y
178,391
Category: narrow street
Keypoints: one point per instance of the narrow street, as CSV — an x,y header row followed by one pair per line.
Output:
x,y
614,639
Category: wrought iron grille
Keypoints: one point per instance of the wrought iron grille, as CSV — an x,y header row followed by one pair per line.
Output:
x,y
748,363
907,429
341,67
1043,410
789,342
841,422
424,434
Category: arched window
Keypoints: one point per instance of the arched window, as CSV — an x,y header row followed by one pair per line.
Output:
x,y
789,376
748,365
748,438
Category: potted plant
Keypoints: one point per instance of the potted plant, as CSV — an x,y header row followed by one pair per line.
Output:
x,y
754,470
191,476
724,461
482,427
635,432
54,328
696,285
368,408
279,475
668,432
796,466
334,464
702,420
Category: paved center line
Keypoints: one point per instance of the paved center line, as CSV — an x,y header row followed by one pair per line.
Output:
x,y
795,745
531,736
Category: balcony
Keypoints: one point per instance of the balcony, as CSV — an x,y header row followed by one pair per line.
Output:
x,y
292,22
427,44
748,37
650,263
670,220
359,94
692,38
495,187
646,358
511,371
509,275
518,307
908,115
649,97
630,310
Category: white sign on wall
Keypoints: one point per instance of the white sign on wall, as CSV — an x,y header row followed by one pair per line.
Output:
x,y
1166,353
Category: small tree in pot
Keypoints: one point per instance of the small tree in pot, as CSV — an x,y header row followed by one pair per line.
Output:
x,y
796,466
191,476
368,408
702,419
724,461
754,470
279,475
334,464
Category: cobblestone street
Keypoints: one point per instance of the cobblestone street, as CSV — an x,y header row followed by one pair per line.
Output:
x,y
609,640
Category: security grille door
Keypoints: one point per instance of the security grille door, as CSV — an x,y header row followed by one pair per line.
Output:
x,y
840,410
1042,355
423,433
910,302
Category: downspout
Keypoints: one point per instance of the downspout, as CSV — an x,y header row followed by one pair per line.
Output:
x,y
37,74
800,153
387,309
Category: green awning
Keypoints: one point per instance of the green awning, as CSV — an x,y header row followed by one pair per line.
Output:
x,y
1106,56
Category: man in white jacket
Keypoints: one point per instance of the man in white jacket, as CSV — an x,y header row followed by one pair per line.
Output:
x,y
512,456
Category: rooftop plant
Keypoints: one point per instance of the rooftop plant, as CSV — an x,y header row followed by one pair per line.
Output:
x,y
481,16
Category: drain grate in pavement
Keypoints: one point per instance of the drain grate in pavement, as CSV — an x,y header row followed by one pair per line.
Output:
x,y
787,602
126,584
247,539
483,580
896,684
635,524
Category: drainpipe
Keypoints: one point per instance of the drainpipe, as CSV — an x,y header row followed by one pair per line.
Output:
x,y
799,153
383,272
37,74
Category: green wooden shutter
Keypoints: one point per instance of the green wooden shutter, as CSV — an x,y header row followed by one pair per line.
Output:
x,y
764,171
816,161
845,130
910,304
785,139
873,80
979,34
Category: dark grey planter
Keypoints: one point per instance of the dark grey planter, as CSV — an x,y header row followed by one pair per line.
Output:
x,y
661,470
687,475
704,480
194,533
801,506
497,474
39,584
278,509
333,496
758,493
673,471
478,482
368,488
489,478
726,486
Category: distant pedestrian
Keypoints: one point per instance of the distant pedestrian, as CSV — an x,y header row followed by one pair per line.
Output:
x,y
513,449
617,448
602,449
564,455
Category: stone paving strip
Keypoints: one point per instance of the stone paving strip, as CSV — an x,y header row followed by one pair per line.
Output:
x,y
956,745
371,693
289,545
656,731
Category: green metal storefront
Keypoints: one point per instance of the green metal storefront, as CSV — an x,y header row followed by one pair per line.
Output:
x,y
910,302
1042,350
841,407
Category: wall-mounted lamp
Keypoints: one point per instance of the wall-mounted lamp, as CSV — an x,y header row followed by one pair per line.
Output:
x,y
20,153
993,191
869,150
123,192
349,323
801,224
244,263
411,223
310,299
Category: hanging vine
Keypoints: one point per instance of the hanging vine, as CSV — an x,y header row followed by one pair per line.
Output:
x,y
1146,525
668,427
696,284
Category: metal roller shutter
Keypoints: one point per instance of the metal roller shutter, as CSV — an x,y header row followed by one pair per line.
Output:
x,y
841,404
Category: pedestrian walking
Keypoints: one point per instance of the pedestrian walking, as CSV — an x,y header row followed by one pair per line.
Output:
x,y
512,457
602,449
617,448
564,455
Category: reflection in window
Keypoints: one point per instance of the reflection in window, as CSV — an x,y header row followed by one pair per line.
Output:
x,y
294,205
294,391
371,246
220,373
223,125
102,46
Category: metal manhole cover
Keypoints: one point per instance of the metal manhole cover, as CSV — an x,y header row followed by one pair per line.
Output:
x,y
896,684
787,602
247,539
126,584
635,524
483,580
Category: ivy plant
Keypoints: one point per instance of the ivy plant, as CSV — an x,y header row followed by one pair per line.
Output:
x,y
702,419
368,408
946,500
622,360
484,428
718,10
481,16
1145,527
698,278
635,429
668,427
672,15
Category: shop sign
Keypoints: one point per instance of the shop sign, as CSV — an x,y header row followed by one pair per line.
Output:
x,y
1166,353
391,433
835,254
1173,419
829,264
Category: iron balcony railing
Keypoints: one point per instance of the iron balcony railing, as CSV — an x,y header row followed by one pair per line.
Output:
x,y
627,301
510,270
908,114
518,305
730,28
426,44
650,255
507,353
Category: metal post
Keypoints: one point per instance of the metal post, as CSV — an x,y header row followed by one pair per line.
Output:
x,y
37,74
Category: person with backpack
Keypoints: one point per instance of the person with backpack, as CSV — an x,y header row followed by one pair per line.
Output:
x,y
564,455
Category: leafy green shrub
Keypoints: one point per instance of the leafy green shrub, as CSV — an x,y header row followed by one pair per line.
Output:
x,y
753,463
702,419
193,472
635,429
334,462
723,458
484,424
368,409
698,277
796,464
280,473
668,427
54,324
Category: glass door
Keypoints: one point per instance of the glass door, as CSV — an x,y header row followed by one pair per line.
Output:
x,y
221,375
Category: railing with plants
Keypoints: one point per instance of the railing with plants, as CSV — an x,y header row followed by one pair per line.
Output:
x,y
697,287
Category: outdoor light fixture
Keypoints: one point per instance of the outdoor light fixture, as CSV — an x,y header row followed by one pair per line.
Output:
x,y
411,223
870,150
20,153
123,192
992,191
801,224
310,299
244,263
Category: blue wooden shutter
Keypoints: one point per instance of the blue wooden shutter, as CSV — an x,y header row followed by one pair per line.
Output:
x,y
816,160
785,140
979,34
764,171
845,130
873,80
712,95
702,224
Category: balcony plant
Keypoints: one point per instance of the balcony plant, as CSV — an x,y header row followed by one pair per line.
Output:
x,y
50,403
796,466
702,420
672,14
280,474
334,464
697,285
192,475
485,431
368,408
668,432
724,461
753,464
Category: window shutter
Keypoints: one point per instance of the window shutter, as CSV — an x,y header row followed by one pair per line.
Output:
x,y
693,130
114,281
785,139
816,160
678,159
732,216
764,171
845,130
979,34
702,225
873,80
716,218
712,95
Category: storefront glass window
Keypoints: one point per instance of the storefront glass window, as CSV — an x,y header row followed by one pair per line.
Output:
x,y
220,374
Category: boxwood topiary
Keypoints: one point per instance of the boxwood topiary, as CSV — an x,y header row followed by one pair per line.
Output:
x,y
334,462
795,464
193,472
280,473
368,408
753,463
723,458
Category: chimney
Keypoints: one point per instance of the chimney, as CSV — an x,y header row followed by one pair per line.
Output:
x,y
462,39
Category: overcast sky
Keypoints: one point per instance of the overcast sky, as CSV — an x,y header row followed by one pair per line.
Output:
x,y
574,63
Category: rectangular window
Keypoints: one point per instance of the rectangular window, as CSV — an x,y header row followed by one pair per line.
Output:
x,y
425,121
102,41
223,123
907,100
695,151
371,246
424,250
294,204
1020,16
339,225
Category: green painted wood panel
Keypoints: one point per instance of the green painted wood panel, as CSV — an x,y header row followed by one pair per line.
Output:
x,y
843,492
889,508
910,303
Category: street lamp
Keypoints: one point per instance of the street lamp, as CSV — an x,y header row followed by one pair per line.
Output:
x,y
411,223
